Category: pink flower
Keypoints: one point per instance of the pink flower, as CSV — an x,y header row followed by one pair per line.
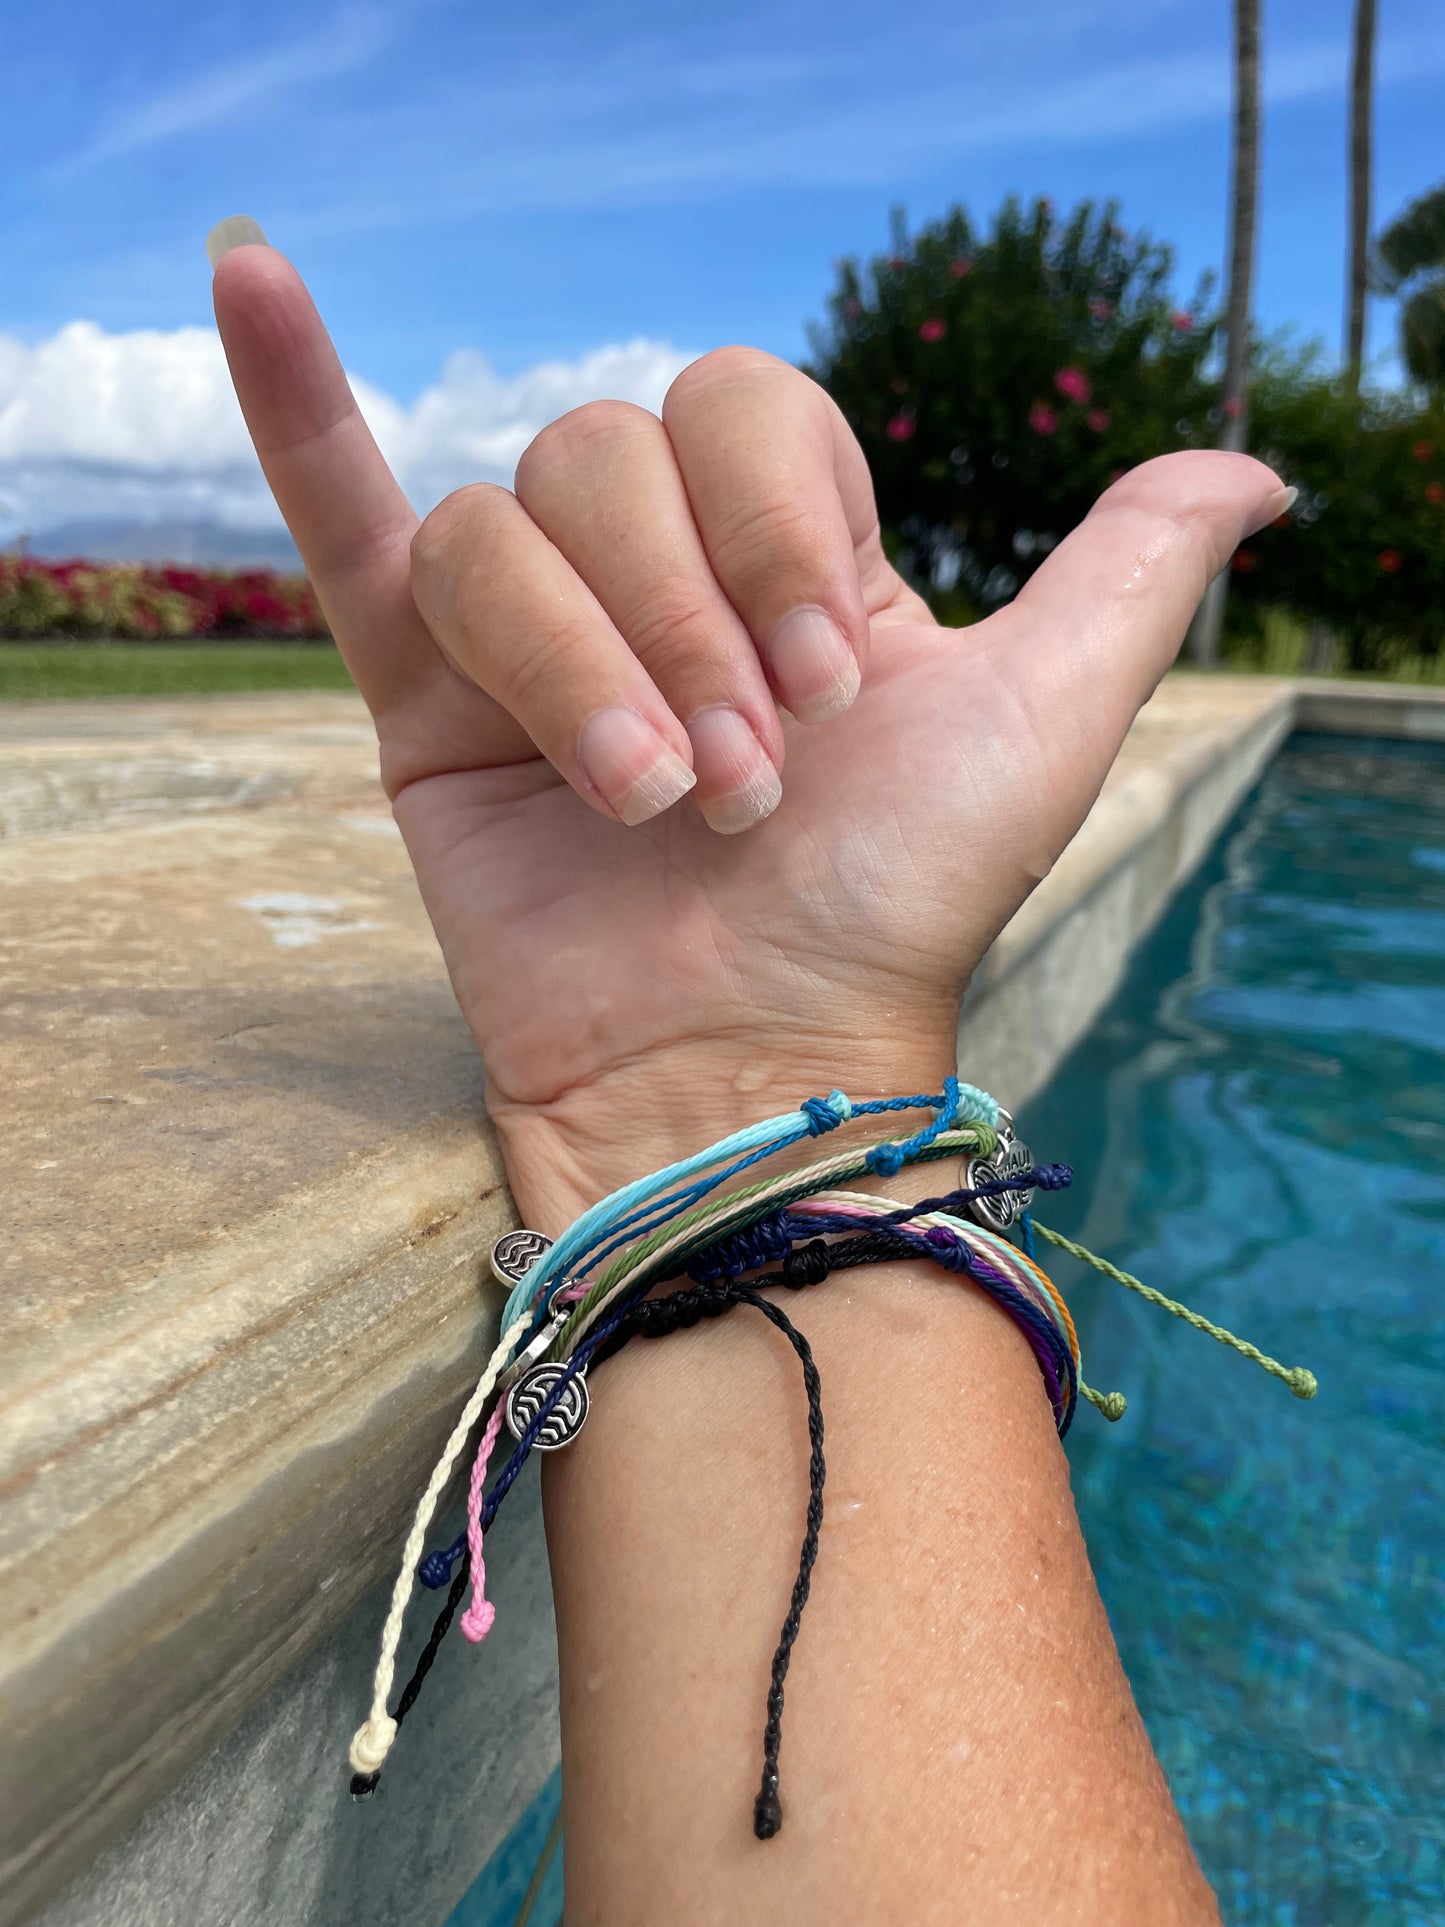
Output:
x,y
1099,308
933,329
901,428
1042,419
1073,383
1234,408
1181,321
960,265
1098,419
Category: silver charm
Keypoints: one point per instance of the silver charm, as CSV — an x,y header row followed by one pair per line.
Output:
x,y
515,1253
1005,1127
1013,1160
993,1213
529,1395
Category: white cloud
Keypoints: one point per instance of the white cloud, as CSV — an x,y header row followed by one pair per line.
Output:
x,y
146,426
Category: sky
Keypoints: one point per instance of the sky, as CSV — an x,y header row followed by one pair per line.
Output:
x,y
503,213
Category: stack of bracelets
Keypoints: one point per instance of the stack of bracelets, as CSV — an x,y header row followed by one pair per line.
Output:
x,y
579,1300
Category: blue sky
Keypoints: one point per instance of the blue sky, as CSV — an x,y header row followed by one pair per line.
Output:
x,y
534,187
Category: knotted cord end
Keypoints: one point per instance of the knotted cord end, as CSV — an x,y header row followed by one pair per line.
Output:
x,y
370,1744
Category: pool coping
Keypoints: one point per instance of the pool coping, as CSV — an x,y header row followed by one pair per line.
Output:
x,y
141,1632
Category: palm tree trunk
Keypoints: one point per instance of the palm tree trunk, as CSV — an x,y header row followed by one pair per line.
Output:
x,y
1208,623
1362,101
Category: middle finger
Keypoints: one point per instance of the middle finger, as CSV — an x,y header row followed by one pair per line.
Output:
x,y
602,483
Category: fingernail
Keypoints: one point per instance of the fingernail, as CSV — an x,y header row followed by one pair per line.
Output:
x,y
236,231
815,670
738,783
632,764
1278,505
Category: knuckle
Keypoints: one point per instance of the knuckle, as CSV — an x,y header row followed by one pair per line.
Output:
x,y
531,675
459,519
721,371
676,625
752,537
558,447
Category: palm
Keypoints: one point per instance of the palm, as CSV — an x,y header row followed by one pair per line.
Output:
x,y
911,829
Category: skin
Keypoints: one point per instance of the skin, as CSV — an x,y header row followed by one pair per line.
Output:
x,y
960,1742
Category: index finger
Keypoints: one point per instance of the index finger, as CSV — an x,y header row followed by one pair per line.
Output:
x,y
345,509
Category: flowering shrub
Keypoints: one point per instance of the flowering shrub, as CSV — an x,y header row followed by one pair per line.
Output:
x,y
130,603
999,381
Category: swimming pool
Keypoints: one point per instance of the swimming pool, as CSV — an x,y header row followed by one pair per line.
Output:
x,y
1258,1127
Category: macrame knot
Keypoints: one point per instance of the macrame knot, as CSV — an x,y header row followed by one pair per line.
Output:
x,y
371,1743
1051,1177
1113,1405
435,1571
478,1619
808,1265
886,1160
1302,1382
825,1113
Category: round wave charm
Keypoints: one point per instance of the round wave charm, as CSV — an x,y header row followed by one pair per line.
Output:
x,y
529,1395
993,1213
515,1253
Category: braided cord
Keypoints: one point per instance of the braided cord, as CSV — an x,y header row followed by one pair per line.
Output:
x,y
1301,1381
709,1220
373,1739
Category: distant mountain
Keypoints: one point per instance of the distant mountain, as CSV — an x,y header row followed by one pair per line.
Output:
x,y
198,544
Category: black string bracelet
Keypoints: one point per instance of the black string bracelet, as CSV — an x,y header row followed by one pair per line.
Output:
x,y
807,1264
656,1318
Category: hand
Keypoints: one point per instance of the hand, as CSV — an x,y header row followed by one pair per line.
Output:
x,y
605,649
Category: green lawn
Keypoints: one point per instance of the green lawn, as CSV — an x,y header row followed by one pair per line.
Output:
x,y
40,669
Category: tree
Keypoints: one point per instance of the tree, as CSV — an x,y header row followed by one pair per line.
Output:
x,y
1362,92
1410,264
998,380
1209,622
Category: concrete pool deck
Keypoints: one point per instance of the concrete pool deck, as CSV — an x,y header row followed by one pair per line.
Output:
x,y
251,1187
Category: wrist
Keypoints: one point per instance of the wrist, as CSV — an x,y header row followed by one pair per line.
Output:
x,y
561,1157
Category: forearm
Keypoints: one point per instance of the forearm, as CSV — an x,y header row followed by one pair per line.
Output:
x,y
959,1743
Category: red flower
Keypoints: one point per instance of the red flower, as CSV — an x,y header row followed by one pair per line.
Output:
x,y
1098,419
1042,419
852,307
1244,561
1234,408
1074,383
901,428
1099,308
1181,321
960,265
1422,451
934,329
896,262
1435,492
1390,561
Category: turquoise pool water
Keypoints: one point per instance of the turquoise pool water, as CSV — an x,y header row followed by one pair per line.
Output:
x,y
1258,1127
